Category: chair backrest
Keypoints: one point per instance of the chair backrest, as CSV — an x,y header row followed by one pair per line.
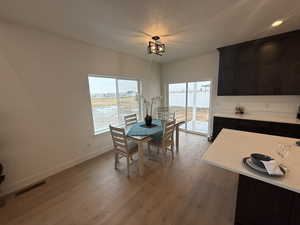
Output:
x,y
162,109
170,116
163,113
168,133
130,120
119,139
166,116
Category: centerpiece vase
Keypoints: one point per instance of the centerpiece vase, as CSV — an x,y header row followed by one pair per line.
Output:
x,y
148,120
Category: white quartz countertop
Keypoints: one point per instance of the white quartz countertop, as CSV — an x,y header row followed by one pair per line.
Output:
x,y
231,146
270,118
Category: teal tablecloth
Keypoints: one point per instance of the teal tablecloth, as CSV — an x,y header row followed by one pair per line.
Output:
x,y
155,132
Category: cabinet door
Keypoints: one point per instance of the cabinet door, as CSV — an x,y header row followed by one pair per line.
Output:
x,y
269,68
226,81
259,203
291,80
285,130
227,71
295,215
254,126
220,123
291,65
246,72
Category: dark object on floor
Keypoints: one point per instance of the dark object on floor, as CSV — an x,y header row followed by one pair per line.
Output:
x,y
2,178
27,189
298,143
1,169
2,202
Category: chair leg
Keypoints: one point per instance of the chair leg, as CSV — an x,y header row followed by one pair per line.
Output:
x,y
128,166
157,150
149,150
116,160
172,150
164,150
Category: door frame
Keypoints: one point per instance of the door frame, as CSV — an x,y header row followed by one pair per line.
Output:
x,y
210,111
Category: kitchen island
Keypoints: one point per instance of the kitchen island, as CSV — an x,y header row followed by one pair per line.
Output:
x,y
261,200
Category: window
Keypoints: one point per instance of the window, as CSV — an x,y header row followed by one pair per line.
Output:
x,y
111,100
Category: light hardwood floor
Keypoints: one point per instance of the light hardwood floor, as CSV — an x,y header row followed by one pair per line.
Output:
x,y
186,192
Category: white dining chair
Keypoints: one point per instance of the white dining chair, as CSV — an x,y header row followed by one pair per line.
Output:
x,y
122,147
166,143
130,120
163,113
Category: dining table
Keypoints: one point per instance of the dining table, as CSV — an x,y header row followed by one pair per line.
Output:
x,y
141,134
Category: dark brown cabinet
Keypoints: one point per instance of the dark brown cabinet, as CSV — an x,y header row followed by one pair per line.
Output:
x,y
263,127
295,216
267,66
260,203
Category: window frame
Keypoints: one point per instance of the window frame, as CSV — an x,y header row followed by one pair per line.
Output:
x,y
116,78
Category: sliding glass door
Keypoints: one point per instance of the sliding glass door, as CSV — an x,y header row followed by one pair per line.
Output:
x,y
177,100
190,102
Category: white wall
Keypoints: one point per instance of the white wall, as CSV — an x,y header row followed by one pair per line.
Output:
x,y
45,115
200,68
205,67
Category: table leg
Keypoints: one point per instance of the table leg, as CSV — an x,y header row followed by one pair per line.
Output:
x,y
177,138
141,159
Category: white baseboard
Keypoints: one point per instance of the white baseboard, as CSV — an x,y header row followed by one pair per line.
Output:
x,y
18,185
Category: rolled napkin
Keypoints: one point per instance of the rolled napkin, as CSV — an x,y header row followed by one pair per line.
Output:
x,y
272,167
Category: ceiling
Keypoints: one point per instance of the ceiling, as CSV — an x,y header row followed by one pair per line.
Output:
x,y
188,27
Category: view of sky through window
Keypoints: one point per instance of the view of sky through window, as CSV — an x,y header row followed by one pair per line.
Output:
x,y
111,100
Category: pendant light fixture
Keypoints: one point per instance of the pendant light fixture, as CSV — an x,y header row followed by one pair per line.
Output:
x,y
156,47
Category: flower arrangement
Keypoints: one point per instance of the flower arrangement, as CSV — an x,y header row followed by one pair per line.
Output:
x,y
148,106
